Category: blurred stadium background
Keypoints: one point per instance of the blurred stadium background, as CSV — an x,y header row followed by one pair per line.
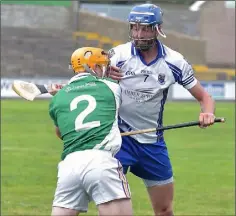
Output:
x,y
37,39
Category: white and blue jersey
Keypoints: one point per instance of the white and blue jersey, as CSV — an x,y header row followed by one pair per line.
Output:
x,y
144,90
145,86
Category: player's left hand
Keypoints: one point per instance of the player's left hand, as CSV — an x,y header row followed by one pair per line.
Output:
x,y
206,119
115,73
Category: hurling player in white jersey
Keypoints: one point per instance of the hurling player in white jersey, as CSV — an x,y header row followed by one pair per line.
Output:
x,y
146,69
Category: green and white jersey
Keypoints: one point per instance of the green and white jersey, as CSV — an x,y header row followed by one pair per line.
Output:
x,y
86,113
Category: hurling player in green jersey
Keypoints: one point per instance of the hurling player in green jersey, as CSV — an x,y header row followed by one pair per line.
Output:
x,y
85,113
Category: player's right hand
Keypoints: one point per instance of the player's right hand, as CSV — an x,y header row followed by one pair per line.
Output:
x,y
114,73
206,119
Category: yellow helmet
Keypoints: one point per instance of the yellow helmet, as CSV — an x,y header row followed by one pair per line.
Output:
x,y
86,58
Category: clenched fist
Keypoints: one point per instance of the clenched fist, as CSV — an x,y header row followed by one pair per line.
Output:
x,y
206,119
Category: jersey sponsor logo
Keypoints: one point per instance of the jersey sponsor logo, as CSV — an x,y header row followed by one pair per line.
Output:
x,y
161,78
138,96
146,72
129,73
71,88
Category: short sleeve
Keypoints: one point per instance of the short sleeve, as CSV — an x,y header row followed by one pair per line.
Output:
x,y
52,112
188,80
113,56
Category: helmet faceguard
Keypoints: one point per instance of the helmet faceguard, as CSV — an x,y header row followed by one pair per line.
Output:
x,y
146,43
148,16
104,69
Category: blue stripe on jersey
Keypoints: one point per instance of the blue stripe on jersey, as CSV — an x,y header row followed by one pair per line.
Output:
x,y
162,48
188,80
133,51
161,53
120,64
177,73
150,63
175,67
160,117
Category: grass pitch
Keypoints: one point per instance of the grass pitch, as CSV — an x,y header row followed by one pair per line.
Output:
x,y
203,161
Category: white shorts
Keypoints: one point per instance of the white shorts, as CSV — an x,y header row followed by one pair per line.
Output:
x,y
90,175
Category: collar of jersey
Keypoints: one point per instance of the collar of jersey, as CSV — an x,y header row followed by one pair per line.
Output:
x,y
161,53
78,76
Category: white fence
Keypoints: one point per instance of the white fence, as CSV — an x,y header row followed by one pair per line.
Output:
x,y
219,90
6,86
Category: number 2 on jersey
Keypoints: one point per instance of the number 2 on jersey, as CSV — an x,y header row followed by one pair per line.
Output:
x,y
79,125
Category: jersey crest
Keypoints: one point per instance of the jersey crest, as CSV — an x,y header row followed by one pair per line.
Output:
x,y
161,78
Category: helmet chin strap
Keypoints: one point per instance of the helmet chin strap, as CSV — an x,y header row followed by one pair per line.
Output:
x,y
92,72
89,70
104,70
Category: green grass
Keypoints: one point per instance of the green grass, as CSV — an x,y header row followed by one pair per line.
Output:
x,y
203,161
